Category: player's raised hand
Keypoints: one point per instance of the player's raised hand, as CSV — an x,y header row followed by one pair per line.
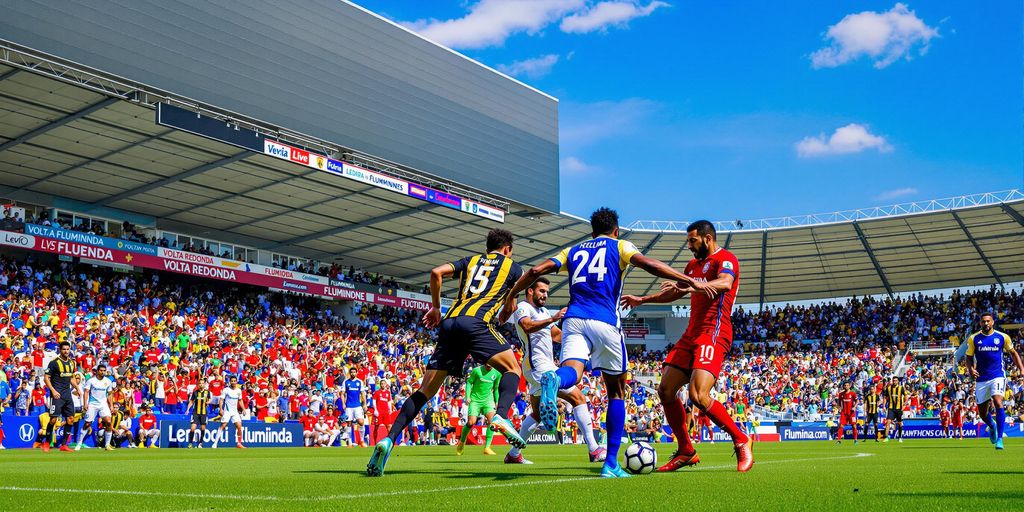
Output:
x,y
630,301
431,318
560,314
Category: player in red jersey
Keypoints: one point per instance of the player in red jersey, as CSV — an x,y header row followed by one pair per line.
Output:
x,y
958,418
713,277
847,405
383,408
944,420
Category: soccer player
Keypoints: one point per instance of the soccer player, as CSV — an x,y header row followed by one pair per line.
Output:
x,y
944,420
309,434
148,428
985,350
382,407
895,399
230,398
121,427
871,410
198,403
76,396
484,281
537,331
846,402
712,279
330,420
58,381
591,328
958,419
355,401
97,390
482,395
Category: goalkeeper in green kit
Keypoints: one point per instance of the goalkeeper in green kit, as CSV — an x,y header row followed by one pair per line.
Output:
x,y
482,395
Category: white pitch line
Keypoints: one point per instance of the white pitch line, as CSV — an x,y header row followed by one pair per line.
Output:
x,y
381,494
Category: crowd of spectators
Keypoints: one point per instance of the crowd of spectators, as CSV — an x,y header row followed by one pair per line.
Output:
x,y
161,334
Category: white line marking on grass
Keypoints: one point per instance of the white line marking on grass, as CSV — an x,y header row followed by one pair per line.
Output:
x,y
383,494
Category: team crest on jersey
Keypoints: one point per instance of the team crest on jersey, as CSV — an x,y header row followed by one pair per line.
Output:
x,y
706,267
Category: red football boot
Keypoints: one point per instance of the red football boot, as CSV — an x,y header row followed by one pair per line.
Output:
x,y
679,461
744,456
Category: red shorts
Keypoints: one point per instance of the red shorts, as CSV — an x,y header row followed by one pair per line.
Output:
x,y
847,419
704,421
701,352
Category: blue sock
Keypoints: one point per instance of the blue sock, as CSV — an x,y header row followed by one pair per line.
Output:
x,y
616,422
568,376
987,418
1000,421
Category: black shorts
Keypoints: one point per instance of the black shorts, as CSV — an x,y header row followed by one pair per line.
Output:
x,y
896,414
871,417
199,419
62,407
462,336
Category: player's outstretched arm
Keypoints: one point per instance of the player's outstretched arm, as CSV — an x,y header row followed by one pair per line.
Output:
x,y
433,316
524,282
531,326
658,268
669,293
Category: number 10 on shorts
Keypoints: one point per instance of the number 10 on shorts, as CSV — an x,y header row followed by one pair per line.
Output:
x,y
707,353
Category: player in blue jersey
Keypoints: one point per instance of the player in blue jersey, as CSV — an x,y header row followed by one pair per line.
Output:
x,y
591,330
355,402
985,350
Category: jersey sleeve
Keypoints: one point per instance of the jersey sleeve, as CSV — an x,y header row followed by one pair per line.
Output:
x,y
459,266
626,252
561,259
1007,343
514,273
521,312
970,345
729,265
52,370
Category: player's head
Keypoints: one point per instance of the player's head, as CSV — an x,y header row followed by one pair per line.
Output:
x,y
352,372
988,322
234,381
202,383
77,377
500,240
846,385
101,371
115,406
65,349
537,293
604,221
700,236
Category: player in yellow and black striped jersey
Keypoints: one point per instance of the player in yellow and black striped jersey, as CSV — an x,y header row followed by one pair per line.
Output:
x,y
484,282
198,403
895,399
871,411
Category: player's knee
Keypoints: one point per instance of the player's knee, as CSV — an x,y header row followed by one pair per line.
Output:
x,y
666,393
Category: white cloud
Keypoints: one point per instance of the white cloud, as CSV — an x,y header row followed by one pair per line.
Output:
x,y
607,14
530,68
883,37
852,138
574,165
490,22
889,195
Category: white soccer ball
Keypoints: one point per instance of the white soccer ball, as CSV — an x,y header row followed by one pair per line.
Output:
x,y
641,458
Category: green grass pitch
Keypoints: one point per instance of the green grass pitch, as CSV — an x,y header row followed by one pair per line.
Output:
x,y
915,475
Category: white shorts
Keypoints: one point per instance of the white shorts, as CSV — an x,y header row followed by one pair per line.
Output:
x,y
230,417
101,410
353,414
984,391
602,344
149,433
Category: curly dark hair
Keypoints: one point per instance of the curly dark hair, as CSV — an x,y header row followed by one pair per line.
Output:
x,y
498,238
703,227
604,221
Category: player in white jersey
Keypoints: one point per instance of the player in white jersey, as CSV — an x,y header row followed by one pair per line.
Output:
x,y
97,393
230,399
537,330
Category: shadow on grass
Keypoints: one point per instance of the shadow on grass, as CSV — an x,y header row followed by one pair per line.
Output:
x,y
938,447
984,472
1017,495
454,474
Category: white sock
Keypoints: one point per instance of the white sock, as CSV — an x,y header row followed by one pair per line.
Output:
x,y
529,425
584,422
106,437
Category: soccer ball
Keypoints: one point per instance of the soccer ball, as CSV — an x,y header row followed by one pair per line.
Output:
x,y
641,458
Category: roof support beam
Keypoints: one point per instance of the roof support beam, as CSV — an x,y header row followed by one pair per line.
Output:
x,y
58,123
1013,213
349,227
9,74
91,161
167,181
764,267
871,254
978,248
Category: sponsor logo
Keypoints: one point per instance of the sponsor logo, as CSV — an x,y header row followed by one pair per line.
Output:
x,y
448,199
274,149
789,434
320,162
335,166
294,286
413,304
313,279
417,191
77,250
230,264
476,208
298,156
188,256
60,234
183,267
19,240
27,433
278,272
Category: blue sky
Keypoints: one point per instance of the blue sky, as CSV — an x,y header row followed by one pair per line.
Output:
x,y
678,110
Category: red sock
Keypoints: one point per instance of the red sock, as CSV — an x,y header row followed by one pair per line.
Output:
x,y
720,416
854,431
675,413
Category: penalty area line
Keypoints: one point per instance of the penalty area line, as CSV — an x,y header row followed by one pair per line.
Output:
x,y
120,492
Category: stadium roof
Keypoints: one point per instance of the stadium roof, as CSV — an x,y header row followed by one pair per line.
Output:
x,y
79,139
